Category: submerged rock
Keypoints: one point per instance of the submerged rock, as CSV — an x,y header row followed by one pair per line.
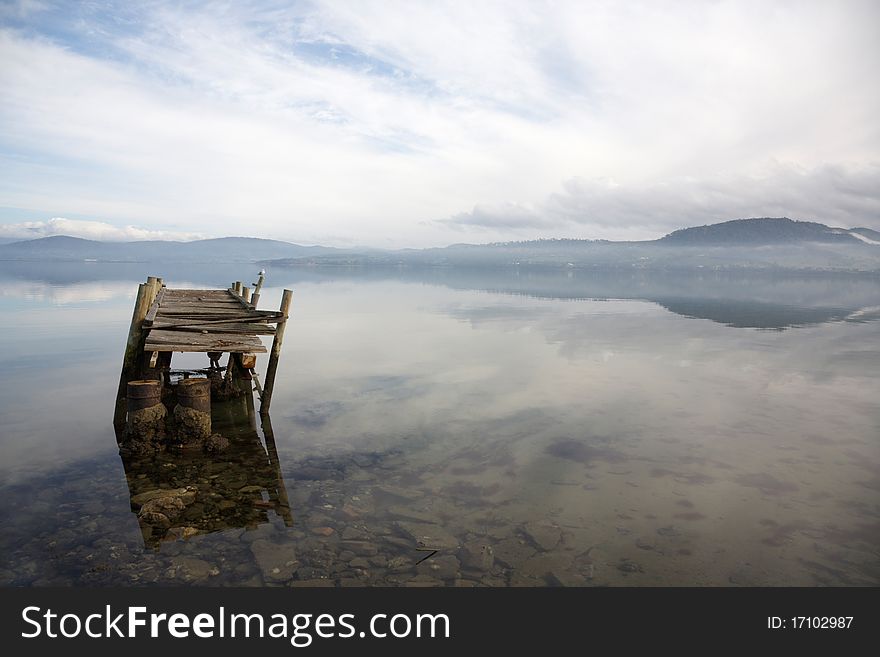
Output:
x,y
192,426
477,555
276,562
186,495
544,536
216,444
428,535
441,567
513,551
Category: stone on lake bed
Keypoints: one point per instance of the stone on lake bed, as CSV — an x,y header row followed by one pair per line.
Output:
x,y
512,551
545,536
187,495
361,548
396,492
216,443
406,513
191,568
627,566
541,565
276,562
442,567
354,534
428,535
477,555
323,531
170,507
182,532
349,512
567,578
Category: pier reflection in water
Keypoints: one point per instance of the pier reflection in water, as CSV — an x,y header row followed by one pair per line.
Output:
x,y
180,493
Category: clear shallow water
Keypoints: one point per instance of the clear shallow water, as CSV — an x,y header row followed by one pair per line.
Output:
x,y
536,429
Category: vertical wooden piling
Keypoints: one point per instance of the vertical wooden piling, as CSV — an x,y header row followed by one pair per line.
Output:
x,y
269,385
133,350
255,297
237,288
154,286
246,293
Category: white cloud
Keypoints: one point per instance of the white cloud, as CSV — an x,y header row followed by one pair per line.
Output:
x,y
92,230
835,195
370,121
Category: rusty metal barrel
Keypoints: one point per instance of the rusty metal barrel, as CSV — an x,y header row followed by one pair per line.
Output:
x,y
143,394
195,394
193,411
145,420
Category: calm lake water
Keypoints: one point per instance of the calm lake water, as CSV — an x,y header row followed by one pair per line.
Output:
x,y
534,429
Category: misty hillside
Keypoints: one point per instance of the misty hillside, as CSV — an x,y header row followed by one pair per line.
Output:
x,y
226,249
740,244
767,230
766,243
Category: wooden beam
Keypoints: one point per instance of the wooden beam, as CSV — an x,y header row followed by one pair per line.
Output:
x,y
255,297
213,327
133,350
164,340
154,308
272,369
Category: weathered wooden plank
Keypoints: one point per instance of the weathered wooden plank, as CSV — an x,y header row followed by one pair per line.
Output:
x,y
165,335
167,340
154,308
236,294
263,315
245,319
182,310
225,327
201,306
197,302
227,347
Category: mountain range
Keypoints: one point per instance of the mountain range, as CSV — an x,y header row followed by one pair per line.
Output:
x,y
767,242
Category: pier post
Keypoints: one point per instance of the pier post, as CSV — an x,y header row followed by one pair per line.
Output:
x,y
133,349
271,370
255,297
246,293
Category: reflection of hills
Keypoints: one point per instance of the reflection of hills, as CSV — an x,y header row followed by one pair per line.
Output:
x,y
741,299
182,494
752,314
747,298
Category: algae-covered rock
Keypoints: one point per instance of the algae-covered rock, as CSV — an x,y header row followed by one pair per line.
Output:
x,y
192,426
146,427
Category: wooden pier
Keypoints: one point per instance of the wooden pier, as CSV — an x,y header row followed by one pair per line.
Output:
x,y
167,320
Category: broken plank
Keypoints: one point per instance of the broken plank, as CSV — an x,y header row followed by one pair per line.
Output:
x,y
225,327
163,340
227,347
246,319
154,308
170,335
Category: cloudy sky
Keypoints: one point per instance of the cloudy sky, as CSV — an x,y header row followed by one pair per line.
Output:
x,y
410,123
